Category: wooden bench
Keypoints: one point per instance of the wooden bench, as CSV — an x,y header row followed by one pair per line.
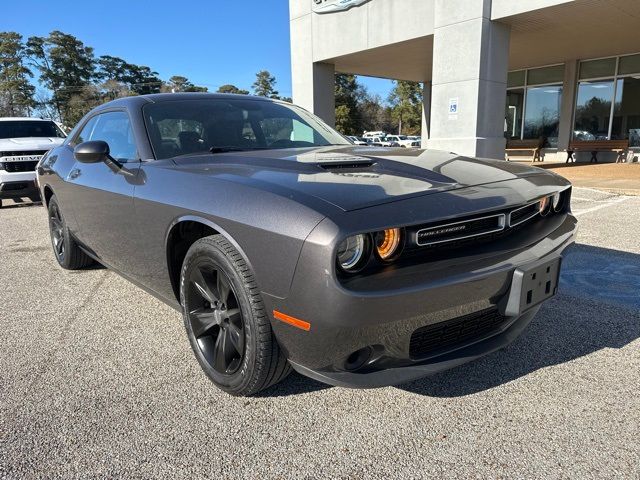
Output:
x,y
621,147
534,146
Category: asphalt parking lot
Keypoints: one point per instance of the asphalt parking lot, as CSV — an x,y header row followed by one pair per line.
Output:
x,y
97,380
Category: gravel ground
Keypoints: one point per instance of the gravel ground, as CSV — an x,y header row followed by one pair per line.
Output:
x,y
97,380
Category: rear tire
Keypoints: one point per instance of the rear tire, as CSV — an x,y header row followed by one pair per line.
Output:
x,y
226,322
65,248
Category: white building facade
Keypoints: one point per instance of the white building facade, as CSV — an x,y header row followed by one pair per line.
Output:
x,y
492,69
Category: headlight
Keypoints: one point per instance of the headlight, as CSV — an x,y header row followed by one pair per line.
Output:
x,y
388,243
352,253
556,201
544,205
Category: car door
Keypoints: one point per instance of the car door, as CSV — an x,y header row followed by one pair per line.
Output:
x,y
103,198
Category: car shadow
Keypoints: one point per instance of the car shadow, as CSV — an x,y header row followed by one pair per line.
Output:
x,y
598,307
19,205
295,384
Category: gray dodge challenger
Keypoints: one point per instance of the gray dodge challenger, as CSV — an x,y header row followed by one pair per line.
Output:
x,y
287,247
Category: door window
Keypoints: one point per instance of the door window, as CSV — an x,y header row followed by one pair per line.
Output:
x,y
115,129
85,133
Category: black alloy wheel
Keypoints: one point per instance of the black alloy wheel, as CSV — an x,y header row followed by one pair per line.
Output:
x,y
56,227
216,318
226,321
67,252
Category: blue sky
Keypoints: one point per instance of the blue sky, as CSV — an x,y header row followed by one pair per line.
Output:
x,y
211,42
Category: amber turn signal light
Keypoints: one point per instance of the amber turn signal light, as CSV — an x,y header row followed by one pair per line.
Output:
x,y
388,243
296,322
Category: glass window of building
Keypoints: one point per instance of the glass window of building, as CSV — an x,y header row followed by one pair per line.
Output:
x,y
598,68
609,108
516,79
534,99
626,116
542,117
593,110
514,114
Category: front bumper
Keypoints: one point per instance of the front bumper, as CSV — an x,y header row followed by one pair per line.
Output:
x,y
379,315
445,361
18,185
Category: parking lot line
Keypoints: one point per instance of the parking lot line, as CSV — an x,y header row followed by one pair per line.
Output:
x,y
601,206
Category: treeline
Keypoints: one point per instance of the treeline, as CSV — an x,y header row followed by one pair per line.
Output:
x,y
357,111
75,81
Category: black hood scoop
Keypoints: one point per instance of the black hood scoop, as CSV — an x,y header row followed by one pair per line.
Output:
x,y
355,164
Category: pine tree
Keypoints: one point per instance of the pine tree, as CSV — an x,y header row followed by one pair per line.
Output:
x,y
265,85
66,68
406,106
16,93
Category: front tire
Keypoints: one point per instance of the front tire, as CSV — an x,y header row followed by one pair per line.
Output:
x,y
225,319
65,248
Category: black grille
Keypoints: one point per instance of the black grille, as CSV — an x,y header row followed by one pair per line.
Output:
x,y
446,335
14,186
14,167
523,214
458,230
25,153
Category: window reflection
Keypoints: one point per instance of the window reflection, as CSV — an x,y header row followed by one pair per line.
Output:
x,y
542,115
513,115
626,118
593,110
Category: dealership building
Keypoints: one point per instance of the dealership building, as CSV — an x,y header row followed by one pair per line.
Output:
x,y
492,70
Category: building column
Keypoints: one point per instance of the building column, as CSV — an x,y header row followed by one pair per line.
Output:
x,y
426,112
313,84
470,64
565,129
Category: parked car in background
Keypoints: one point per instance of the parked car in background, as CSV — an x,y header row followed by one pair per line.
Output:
x,y
401,140
377,133
285,246
357,140
23,142
380,142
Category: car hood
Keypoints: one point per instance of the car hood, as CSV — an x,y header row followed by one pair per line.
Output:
x,y
29,143
353,177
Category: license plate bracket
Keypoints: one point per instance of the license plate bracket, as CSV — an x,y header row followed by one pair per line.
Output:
x,y
531,285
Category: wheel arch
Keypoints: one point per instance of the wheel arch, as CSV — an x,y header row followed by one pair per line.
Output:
x,y
184,232
48,193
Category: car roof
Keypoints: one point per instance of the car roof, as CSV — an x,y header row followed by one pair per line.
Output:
x,y
170,97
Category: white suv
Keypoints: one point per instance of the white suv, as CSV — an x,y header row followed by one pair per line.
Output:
x,y
23,142
402,140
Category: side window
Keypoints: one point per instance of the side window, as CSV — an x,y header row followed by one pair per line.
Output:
x,y
115,129
85,133
302,132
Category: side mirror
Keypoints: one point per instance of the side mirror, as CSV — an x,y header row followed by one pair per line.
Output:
x,y
94,151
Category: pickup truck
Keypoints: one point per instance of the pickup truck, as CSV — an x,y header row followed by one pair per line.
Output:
x,y
23,142
403,141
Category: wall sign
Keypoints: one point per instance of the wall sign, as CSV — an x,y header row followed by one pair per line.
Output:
x,y
453,106
328,6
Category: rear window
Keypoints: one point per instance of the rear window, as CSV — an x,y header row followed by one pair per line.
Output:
x,y
29,128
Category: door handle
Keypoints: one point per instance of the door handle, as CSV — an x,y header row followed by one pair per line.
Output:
x,y
73,174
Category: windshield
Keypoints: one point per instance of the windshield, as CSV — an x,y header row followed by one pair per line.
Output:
x,y
185,127
29,128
